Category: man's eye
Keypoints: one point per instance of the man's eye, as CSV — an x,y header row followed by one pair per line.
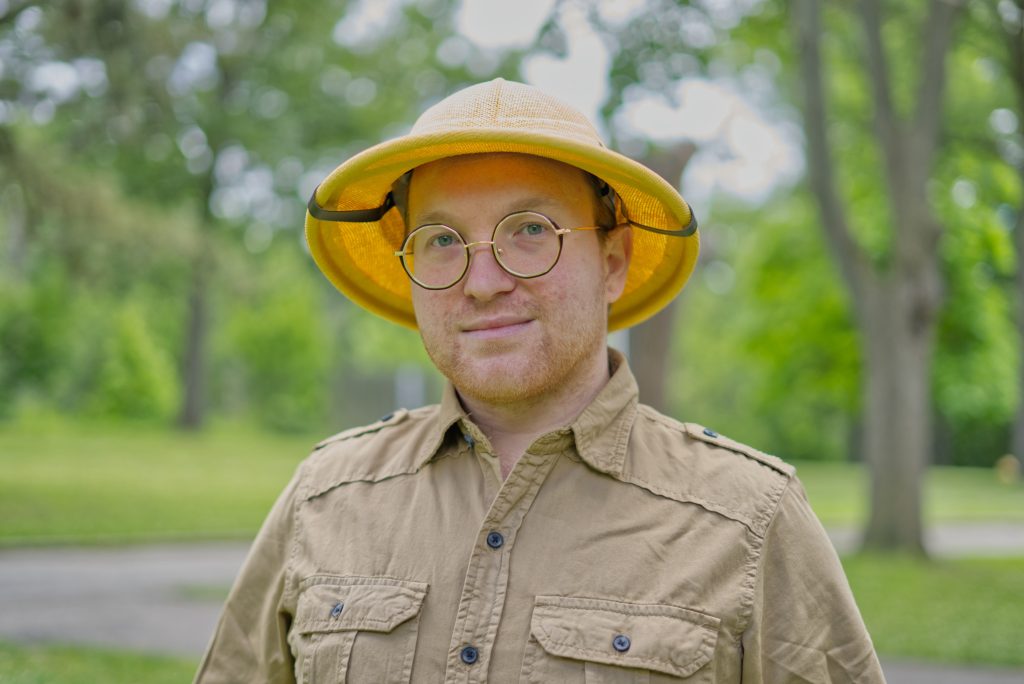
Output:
x,y
533,229
442,241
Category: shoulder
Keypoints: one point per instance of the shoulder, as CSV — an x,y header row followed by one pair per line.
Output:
x,y
392,446
695,464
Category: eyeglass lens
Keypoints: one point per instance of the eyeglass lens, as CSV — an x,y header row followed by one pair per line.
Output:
x,y
526,245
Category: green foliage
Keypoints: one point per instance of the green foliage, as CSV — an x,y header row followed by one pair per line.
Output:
x,y
978,354
281,345
33,337
766,347
136,377
376,344
977,357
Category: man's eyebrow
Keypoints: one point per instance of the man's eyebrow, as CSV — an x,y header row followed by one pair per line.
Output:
x,y
435,216
529,203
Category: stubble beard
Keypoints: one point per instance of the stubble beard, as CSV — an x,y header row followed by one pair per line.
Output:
x,y
551,367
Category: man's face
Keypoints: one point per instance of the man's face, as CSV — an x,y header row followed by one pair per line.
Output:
x,y
498,338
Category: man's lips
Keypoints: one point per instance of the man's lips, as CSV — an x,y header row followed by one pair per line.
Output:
x,y
495,326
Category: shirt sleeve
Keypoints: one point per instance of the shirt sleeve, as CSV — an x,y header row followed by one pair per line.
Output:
x,y
805,626
250,643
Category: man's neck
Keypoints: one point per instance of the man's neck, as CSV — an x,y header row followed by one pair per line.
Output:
x,y
512,427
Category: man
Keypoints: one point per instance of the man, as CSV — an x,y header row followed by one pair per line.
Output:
x,y
538,525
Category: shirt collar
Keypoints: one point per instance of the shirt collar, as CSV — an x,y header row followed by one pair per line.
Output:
x,y
601,431
449,413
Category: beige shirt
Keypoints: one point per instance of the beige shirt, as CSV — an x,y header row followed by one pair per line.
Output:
x,y
626,547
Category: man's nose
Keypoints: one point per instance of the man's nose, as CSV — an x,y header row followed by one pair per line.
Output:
x,y
485,277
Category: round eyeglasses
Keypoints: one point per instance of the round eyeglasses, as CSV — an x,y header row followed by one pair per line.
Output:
x,y
525,244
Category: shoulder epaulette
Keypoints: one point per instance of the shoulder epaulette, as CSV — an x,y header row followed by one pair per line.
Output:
x,y
709,436
387,421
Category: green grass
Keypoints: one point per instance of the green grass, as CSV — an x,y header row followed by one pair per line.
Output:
x,y
93,483
74,665
967,610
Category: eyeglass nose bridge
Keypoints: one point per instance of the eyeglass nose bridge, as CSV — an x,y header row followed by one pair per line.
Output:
x,y
497,251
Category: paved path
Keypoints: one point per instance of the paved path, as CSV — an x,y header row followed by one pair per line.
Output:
x,y
157,598
953,539
134,597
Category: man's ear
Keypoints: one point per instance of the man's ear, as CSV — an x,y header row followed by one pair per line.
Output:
x,y
618,251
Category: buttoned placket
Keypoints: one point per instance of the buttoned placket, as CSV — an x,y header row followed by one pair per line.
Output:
x,y
486,579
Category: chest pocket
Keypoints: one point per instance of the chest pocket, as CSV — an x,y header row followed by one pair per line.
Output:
x,y
611,642
356,629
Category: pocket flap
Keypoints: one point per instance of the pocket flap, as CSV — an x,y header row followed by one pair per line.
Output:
x,y
667,639
369,604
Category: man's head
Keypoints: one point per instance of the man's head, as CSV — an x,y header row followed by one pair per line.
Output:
x,y
355,231
502,338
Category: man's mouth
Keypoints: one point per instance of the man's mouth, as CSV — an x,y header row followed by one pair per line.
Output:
x,y
497,326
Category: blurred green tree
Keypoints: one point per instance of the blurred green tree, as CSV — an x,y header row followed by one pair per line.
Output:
x,y
278,338
1007,18
135,376
230,110
876,165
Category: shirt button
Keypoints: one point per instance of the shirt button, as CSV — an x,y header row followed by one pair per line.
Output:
x,y
495,540
621,643
710,433
336,610
469,655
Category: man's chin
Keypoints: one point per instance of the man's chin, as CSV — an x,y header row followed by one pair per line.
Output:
x,y
497,383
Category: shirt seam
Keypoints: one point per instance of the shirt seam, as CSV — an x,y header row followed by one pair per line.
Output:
x,y
748,523
754,562
290,565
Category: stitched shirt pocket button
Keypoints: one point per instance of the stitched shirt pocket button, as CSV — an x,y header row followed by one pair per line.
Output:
x,y
621,643
336,610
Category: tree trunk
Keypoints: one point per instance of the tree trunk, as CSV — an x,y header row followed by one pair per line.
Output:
x,y
194,363
898,425
651,345
895,302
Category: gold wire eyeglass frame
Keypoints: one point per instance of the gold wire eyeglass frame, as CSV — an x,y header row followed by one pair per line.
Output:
x,y
495,250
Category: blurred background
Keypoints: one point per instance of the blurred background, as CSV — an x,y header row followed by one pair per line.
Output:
x,y
169,352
